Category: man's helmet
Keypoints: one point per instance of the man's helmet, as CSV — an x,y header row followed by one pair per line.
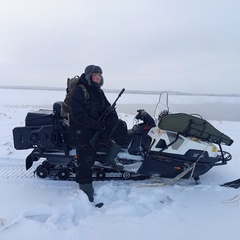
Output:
x,y
89,70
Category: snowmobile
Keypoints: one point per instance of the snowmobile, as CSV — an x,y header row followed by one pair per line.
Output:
x,y
174,145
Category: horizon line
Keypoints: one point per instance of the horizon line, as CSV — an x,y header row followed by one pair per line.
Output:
x,y
117,90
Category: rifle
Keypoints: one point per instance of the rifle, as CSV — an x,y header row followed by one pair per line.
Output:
x,y
93,140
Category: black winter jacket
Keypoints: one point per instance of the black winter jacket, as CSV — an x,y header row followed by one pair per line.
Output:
x,y
85,111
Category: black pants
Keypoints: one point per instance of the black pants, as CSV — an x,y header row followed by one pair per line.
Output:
x,y
85,160
117,132
87,155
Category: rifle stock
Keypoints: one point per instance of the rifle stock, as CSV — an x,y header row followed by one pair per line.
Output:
x,y
94,139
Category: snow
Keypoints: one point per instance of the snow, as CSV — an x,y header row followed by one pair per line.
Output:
x,y
34,208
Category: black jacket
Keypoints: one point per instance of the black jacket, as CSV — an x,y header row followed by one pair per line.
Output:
x,y
86,111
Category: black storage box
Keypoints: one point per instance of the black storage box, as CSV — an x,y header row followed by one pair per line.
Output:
x,y
39,118
30,137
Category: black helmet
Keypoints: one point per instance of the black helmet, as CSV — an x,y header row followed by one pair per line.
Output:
x,y
89,70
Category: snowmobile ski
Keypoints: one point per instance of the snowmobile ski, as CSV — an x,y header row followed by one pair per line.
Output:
x,y
232,184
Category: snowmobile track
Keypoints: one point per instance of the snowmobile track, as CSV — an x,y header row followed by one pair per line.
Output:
x,y
20,173
13,173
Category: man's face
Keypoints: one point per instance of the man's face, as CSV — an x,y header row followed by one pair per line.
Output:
x,y
96,77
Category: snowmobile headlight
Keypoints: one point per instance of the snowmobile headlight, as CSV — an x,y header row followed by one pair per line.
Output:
x,y
214,149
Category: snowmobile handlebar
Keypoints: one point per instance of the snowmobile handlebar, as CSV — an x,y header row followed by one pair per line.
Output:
x,y
145,117
94,139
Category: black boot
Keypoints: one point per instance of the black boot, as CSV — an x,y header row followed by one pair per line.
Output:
x,y
88,189
111,154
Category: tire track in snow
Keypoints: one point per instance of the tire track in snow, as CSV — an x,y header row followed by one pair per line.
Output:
x,y
15,173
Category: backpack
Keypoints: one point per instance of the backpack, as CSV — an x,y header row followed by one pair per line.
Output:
x,y
71,84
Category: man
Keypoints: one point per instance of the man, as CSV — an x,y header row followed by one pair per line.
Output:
x,y
87,104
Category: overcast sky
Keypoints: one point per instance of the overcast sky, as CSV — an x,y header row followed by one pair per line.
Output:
x,y
178,45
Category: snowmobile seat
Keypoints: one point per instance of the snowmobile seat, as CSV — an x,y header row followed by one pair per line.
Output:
x,y
57,106
61,126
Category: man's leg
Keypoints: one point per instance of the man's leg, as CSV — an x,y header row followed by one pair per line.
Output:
x,y
85,160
